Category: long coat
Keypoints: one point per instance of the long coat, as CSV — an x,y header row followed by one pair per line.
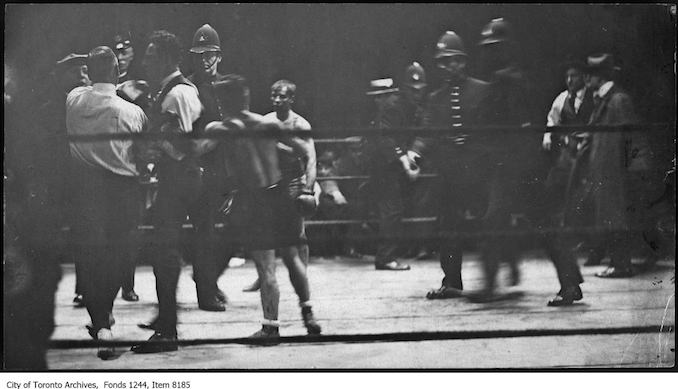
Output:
x,y
609,159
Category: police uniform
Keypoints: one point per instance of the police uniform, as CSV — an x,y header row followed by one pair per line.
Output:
x,y
136,92
208,259
510,175
458,103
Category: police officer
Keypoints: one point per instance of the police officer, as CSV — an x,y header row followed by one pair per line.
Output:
x,y
457,103
420,201
208,261
512,158
137,92
130,86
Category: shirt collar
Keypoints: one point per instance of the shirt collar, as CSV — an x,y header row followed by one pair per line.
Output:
x,y
580,93
602,91
167,79
105,88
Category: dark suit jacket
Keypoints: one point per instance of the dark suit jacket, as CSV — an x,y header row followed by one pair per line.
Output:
x,y
397,112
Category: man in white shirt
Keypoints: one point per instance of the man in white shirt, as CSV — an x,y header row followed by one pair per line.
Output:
x,y
106,193
174,110
571,107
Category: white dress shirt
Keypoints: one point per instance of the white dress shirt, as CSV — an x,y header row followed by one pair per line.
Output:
x,y
97,109
554,116
182,101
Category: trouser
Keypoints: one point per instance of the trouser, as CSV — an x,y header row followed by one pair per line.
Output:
x,y
456,189
179,188
130,263
422,203
108,210
389,186
561,251
558,212
128,270
211,254
498,247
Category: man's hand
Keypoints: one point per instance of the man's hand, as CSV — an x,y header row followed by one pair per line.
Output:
x,y
134,88
338,198
546,141
410,167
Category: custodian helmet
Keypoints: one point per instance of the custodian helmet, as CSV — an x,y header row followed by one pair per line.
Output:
x,y
450,44
497,30
205,39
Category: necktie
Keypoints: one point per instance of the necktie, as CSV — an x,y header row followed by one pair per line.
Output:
x,y
570,102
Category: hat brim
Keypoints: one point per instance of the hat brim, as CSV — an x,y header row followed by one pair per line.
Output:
x,y
417,85
76,60
490,41
381,92
449,53
599,68
204,49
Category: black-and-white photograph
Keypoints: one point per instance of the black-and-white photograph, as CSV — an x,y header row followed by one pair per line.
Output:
x,y
350,187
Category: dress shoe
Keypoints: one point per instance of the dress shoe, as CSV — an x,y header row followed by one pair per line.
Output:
x,y
270,335
615,272
253,287
444,292
566,296
393,265
211,305
312,327
105,351
78,301
157,343
221,296
130,295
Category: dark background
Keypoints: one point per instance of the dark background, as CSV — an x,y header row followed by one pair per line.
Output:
x,y
332,50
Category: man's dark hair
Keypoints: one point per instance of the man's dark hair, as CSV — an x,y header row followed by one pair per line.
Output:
x,y
231,92
167,45
291,87
102,65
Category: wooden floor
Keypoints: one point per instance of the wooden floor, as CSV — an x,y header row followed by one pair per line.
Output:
x,y
351,298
